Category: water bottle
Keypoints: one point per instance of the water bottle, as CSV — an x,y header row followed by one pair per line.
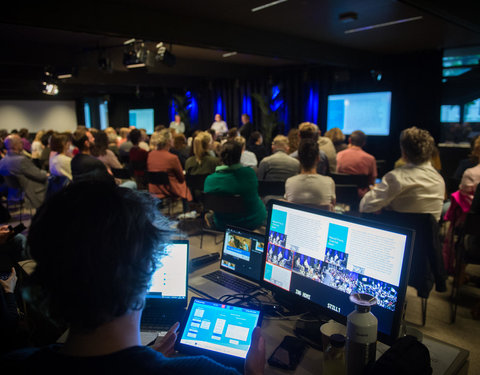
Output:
x,y
361,334
334,356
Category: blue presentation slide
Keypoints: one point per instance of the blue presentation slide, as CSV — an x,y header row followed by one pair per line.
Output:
x,y
278,222
450,113
337,237
142,119
369,112
221,328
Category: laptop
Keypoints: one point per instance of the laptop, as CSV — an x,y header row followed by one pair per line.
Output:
x,y
166,300
241,265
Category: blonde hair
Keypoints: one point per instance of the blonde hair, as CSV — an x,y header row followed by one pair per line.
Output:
x,y
39,135
476,150
280,141
308,127
160,139
417,145
201,144
240,140
336,135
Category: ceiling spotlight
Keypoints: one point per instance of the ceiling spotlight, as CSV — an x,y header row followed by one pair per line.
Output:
x,y
134,54
50,88
64,76
376,75
228,54
164,55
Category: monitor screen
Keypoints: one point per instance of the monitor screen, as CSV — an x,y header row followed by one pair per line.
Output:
x,y
450,113
243,253
369,112
142,119
170,278
471,111
324,257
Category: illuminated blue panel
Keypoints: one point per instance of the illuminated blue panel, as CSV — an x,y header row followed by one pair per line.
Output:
x,y
103,107
88,118
219,107
142,119
311,114
247,105
171,110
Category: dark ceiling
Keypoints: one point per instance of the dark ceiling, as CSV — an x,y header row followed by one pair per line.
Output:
x,y
295,32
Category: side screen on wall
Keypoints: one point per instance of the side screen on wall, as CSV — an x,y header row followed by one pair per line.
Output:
x,y
450,113
471,111
142,119
369,112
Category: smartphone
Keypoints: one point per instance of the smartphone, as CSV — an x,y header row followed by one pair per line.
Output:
x,y
17,229
288,354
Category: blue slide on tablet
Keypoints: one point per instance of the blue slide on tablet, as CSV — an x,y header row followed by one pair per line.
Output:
x,y
220,328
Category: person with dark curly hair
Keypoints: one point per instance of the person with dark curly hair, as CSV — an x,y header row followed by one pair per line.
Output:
x,y
92,275
415,187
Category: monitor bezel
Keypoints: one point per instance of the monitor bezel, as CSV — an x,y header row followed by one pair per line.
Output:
x,y
312,306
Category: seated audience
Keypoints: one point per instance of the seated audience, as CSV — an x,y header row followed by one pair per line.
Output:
x,y
37,148
23,134
60,163
219,126
97,283
255,144
112,140
137,156
102,151
143,144
416,187
309,187
326,145
293,140
354,160
32,180
248,158
471,176
125,145
161,160
307,130
85,167
338,139
45,155
202,162
434,160
247,127
180,148
178,125
279,166
232,178
123,137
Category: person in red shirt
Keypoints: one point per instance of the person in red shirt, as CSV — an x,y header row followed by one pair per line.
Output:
x,y
138,157
354,160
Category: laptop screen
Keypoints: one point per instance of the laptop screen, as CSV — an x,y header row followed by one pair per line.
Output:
x,y
243,253
170,278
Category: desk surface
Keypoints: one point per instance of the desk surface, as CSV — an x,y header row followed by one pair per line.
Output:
x,y
446,359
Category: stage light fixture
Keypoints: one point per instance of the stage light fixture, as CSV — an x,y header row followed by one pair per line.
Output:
x,y
49,83
164,55
134,54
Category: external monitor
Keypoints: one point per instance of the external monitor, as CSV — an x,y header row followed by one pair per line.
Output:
x,y
142,119
450,113
321,257
368,112
471,111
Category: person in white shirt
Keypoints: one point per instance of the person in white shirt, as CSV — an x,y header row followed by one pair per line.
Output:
x,y
219,126
248,158
178,124
415,187
60,164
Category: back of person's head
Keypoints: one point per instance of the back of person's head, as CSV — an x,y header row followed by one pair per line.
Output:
x,y
79,138
159,127
231,153
293,139
232,133
254,137
201,145
308,153
135,136
58,141
111,134
358,138
97,265
124,132
13,143
336,135
280,142
23,133
476,150
417,145
240,140
46,138
212,133
161,139
38,136
179,141
101,144
308,130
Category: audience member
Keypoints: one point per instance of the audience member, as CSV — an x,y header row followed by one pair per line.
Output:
x,y
101,150
123,136
161,160
354,160
255,144
248,158
112,140
469,162
97,285
327,147
137,156
231,134
45,155
60,163
338,139
85,167
232,178
32,180
180,148
178,124
309,187
143,144
37,148
247,127
308,130
23,134
293,140
279,166
434,160
471,176
202,162
416,187
219,126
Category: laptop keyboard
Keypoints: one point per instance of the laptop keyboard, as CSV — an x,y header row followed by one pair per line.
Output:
x,y
231,282
152,320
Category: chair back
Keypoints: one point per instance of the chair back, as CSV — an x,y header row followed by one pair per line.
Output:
x,y
55,184
360,180
158,178
381,168
138,165
348,194
121,173
15,190
223,204
195,183
266,187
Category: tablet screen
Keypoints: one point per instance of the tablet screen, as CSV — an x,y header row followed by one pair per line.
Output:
x,y
221,328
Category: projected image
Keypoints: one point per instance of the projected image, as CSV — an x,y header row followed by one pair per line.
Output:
x,y
279,256
369,112
277,239
471,111
142,119
450,113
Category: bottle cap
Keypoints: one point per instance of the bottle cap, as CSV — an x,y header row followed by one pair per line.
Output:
x,y
363,301
337,340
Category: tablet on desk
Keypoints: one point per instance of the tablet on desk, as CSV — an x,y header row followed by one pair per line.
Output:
x,y
218,330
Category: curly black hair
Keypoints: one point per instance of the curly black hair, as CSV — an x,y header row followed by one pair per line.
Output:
x,y
308,153
96,246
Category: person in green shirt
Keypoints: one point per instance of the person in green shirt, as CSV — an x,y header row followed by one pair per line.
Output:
x,y
232,178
